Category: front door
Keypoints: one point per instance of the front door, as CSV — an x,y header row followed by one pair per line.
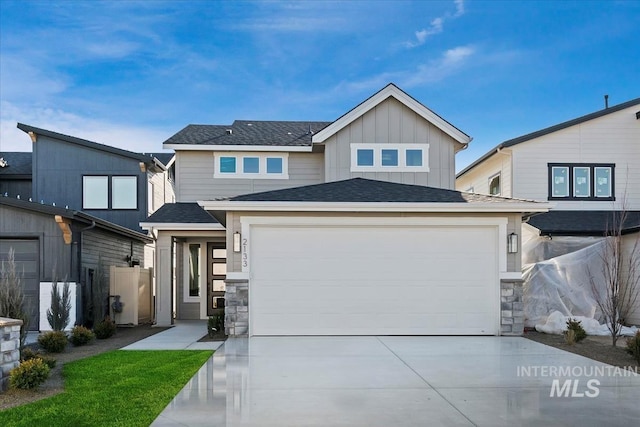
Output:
x,y
216,274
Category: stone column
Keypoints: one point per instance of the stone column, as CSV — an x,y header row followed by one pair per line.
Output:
x,y
236,311
9,348
511,307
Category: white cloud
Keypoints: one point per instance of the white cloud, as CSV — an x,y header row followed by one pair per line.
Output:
x,y
433,71
436,26
459,8
132,138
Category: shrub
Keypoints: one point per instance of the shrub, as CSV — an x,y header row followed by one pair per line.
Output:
x,y
105,329
28,354
578,331
53,341
58,314
211,329
215,324
633,346
29,374
81,335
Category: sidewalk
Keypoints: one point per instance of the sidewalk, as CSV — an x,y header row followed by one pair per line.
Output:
x,y
184,335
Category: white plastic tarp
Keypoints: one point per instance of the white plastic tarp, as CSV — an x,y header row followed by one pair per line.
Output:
x,y
559,274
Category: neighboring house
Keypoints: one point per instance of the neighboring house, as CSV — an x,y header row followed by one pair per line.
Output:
x,y
116,187
588,168
341,228
15,174
57,244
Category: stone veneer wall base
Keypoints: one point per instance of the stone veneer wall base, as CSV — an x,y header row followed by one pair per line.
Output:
x,y
9,348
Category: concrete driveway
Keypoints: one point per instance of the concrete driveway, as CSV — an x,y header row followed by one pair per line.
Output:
x,y
402,381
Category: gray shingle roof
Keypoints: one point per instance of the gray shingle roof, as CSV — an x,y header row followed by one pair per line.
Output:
x,y
190,213
585,223
248,132
18,163
361,190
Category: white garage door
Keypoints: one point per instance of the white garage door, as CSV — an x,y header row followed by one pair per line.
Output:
x,y
369,280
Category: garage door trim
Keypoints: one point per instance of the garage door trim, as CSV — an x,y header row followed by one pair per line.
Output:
x,y
498,223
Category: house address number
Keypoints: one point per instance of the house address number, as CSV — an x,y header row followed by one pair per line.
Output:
x,y
245,256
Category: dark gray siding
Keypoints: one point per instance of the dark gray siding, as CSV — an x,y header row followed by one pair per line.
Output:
x,y
58,168
16,187
56,257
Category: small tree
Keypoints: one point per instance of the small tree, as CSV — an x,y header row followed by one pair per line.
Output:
x,y
617,294
58,314
12,300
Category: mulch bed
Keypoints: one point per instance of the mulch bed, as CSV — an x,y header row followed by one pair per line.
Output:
x,y
596,348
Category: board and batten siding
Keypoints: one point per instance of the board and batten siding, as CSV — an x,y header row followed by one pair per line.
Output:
x,y
478,178
58,168
55,255
614,138
195,181
391,122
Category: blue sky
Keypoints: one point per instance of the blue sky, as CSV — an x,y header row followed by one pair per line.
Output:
x,y
131,74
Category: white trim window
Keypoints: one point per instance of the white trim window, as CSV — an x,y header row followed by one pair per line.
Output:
x,y
389,157
495,186
251,165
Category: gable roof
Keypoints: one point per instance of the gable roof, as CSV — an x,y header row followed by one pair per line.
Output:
x,y
17,163
250,134
85,143
366,195
76,216
583,223
164,158
548,130
391,90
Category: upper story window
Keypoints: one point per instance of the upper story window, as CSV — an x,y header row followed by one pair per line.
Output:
x,y
389,158
251,165
576,181
104,192
495,187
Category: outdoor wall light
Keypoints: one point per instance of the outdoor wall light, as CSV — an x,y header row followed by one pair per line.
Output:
x,y
512,243
236,241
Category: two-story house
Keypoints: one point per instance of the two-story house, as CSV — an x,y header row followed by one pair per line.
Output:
x,y
72,207
589,169
340,228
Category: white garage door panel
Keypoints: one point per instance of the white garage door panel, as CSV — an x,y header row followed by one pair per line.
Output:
x,y
373,281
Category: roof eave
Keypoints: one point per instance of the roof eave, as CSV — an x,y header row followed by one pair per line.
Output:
x,y
259,148
181,226
85,143
496,207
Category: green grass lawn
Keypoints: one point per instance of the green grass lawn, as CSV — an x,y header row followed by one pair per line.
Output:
x,y
118,388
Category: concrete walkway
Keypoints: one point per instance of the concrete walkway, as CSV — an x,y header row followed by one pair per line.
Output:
x,y
184,335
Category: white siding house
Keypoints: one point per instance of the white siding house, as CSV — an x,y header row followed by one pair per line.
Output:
x,y
588,168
